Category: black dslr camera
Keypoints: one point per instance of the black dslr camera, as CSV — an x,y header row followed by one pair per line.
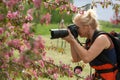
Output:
x,y
60,33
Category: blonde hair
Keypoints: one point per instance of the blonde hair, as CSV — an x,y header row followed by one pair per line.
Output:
x,y
88,18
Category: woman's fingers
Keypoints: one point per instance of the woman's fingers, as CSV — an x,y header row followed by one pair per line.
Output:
x,y
69,38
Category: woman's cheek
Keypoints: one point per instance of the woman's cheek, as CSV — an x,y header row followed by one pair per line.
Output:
x,y
80,34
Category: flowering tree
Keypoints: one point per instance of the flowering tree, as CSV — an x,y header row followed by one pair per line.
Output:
x,y
22,54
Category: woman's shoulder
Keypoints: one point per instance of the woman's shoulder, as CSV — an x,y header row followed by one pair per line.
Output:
x,y
104,40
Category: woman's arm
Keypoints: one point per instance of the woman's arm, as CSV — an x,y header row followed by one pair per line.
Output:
x,y
74,54
102,42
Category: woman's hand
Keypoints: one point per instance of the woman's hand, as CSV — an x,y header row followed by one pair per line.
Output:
x,y
70,38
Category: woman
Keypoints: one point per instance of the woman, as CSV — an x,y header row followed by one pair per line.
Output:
x,y
92,53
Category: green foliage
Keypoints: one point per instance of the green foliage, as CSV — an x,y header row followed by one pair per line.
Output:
x,y
3,11
57,18
107,26
44,29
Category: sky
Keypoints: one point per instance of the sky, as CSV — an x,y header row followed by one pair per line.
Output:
x,y
102,13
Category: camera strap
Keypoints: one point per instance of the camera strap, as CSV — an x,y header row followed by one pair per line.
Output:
x,y
79,42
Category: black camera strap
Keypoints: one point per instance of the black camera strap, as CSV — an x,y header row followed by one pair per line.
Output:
x,y
79,42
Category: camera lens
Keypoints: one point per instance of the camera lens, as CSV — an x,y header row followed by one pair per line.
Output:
x,y
58,33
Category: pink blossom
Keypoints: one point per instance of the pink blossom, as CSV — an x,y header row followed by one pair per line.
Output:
x,y
1,30
55,76
60,62
27,64
20,59
73,8
89,77
12,15
39,43
26,28
30,11
113,21
29,17
14,43
40,73
11,28
46,4
15,60
0,43
27,44
7,34
55,70
65,66
63,7
44,53
37,3
9,15
4,65
36,45
44,57
46,19
6,56
57,1
54,6
11,53
42,20
10,3
16,14
22,48
49,71
21,7
42,63
34,72
68,12
78,71
13,33
70,73
36,51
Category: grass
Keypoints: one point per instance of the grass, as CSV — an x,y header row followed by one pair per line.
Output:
x,y
65,55
107,26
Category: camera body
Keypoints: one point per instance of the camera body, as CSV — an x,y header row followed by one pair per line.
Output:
x,y
61,33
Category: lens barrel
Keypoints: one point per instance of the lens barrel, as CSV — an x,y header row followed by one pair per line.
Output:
x,y
58,33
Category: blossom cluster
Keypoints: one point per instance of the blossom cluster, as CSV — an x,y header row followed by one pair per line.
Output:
x,y
22,53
